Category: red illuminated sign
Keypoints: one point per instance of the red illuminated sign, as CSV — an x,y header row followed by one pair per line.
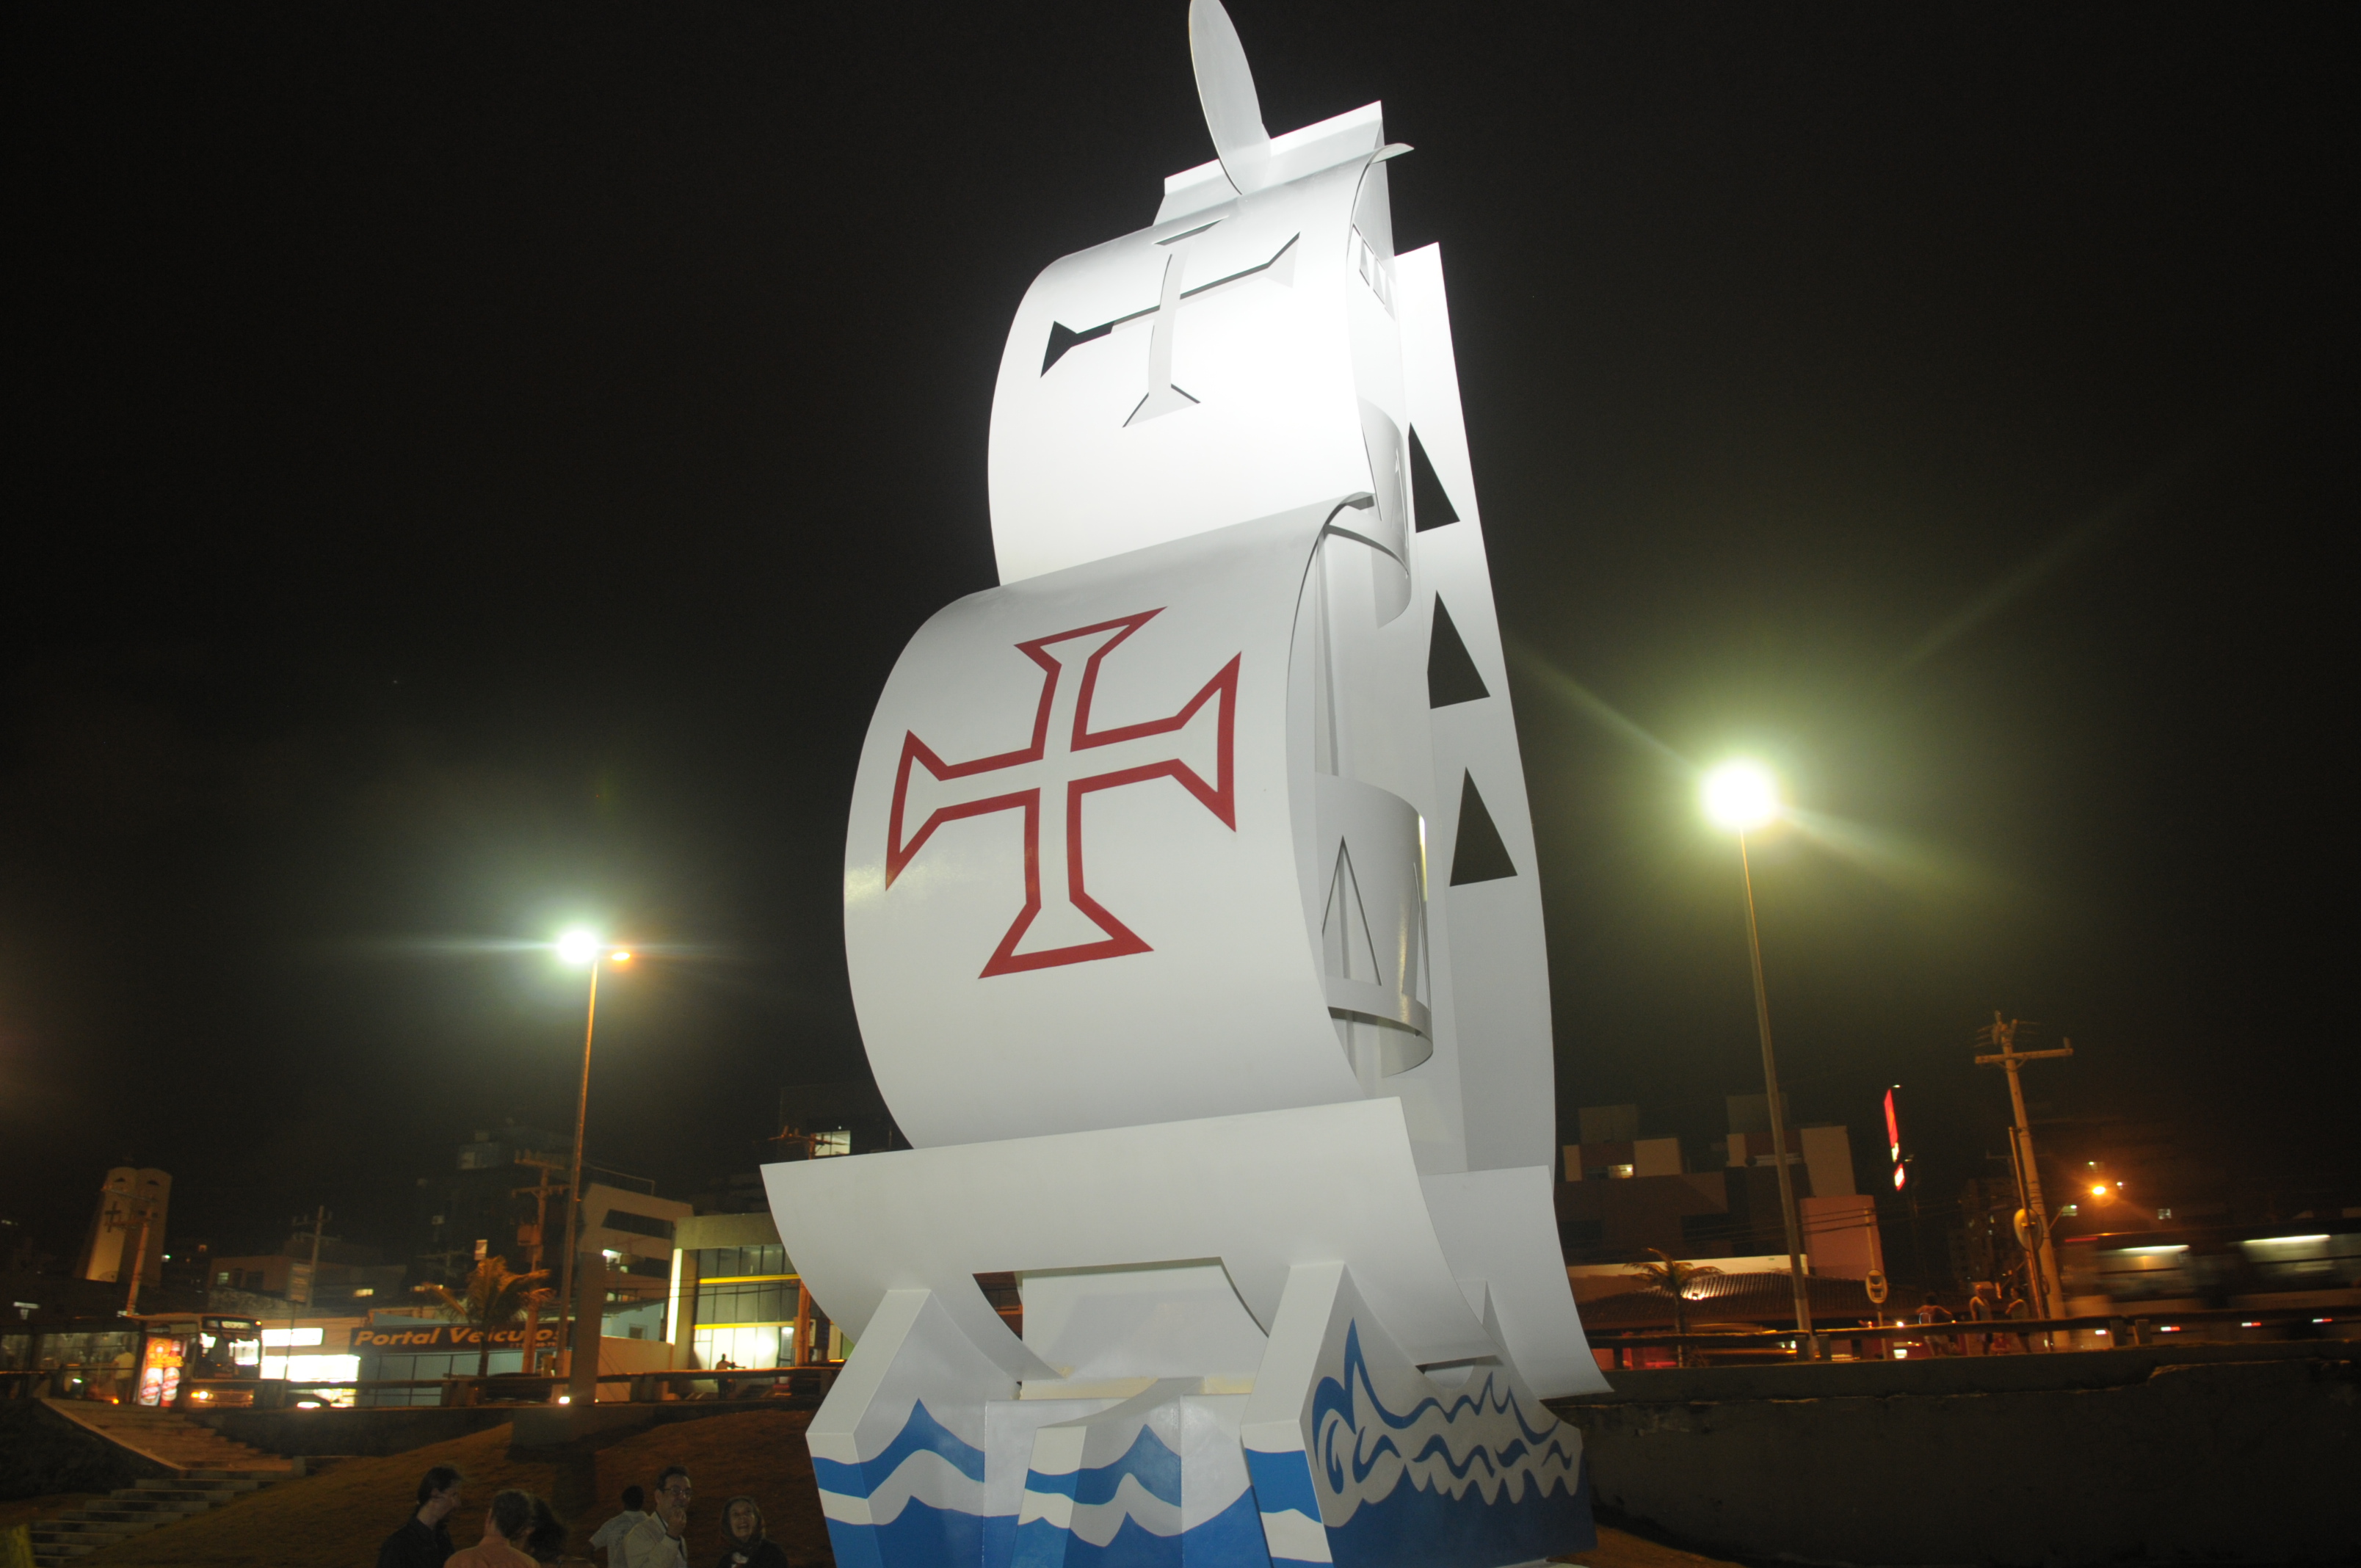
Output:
x,y
1893,1139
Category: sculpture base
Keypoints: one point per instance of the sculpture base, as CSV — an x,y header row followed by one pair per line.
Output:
x,y
1166,1404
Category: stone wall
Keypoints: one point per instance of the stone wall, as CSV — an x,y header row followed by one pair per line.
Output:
x,y
42,1454
2219,1454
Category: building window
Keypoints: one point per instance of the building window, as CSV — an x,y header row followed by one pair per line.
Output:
x,y
749,1301
742,1263
632,1224
746,1345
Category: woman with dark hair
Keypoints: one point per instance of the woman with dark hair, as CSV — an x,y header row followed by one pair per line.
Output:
x,y
545,1538
506,1524
747,1546
424,1540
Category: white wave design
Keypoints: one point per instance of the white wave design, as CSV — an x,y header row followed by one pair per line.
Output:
x,y
1471,1439
926,1475
1097,1522
1296,1537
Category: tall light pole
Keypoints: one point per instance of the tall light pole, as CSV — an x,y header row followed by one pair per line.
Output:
x,y
1743,797
2042,1254
578,948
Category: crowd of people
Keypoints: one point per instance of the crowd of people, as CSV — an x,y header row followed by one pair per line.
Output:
x,y
1986,1304
521,1531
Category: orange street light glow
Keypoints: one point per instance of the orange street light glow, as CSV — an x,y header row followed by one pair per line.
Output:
x,y
619,957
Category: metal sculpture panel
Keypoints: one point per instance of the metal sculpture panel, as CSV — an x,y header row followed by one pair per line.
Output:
x,y
1191,912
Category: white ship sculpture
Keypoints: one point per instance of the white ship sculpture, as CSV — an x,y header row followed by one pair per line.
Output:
x,y
1190,907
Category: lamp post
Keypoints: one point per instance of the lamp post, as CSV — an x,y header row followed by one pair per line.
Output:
x,y
1743,797
575,948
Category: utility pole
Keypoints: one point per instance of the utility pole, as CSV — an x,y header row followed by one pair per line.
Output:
x,y
2003,1032
312,1280
573,1187
1806,1343
539,1192
311,1287
139,1256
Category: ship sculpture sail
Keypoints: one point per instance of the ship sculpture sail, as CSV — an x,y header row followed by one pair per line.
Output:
x,y
1192,922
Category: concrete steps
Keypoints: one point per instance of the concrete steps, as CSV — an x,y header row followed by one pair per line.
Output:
x,y
206,1471
165,1437
137,1509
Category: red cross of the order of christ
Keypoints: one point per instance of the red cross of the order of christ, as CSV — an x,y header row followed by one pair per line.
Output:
x,y
1067,755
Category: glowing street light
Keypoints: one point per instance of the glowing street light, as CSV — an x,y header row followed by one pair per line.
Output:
x,y
580,946
1743,797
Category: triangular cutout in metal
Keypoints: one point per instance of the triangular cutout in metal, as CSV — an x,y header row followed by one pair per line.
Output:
x,y
1344,924
1451,673
1430,504
1476,853
1063,337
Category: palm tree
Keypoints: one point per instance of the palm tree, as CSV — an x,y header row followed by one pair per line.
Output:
x,y
1672,1276
492,1298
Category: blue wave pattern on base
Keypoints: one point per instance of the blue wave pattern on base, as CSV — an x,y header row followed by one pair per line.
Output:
x,y
1413,1527
924,1535
1282,1485
1231,1539
1516,1492
1147,1460
920,1434
920,1536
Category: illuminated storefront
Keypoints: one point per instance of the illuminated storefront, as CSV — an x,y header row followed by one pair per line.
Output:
x,y
419,1348
746,1307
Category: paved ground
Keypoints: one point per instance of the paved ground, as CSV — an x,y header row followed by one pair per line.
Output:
x,y
340,1517
1617,1549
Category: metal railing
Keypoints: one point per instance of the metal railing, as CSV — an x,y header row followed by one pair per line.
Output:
x,y
528,1388
1877,1341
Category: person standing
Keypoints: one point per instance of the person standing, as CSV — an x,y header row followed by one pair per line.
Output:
x,y
544,1538
1980,1310
1934,1311
2019,1310
608,1537
424,1540
661,1540
745,1545
506,1523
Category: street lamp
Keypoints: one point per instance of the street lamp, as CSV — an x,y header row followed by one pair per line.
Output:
x,y
1743,797
580,946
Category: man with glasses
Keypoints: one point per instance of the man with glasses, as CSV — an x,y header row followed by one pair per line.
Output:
x,y
661,1540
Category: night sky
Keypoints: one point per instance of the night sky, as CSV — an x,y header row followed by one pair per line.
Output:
x,y
476,467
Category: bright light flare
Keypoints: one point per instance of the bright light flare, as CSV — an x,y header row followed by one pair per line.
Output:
x,y
619,955
1741,796
578,947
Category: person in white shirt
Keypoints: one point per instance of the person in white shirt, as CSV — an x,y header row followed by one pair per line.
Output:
x,y
609,1536
660,1539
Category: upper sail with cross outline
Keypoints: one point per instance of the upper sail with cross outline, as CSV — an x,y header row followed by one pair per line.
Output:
x,y
1238,356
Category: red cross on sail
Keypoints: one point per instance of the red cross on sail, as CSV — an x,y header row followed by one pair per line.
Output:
x,y
1066,761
